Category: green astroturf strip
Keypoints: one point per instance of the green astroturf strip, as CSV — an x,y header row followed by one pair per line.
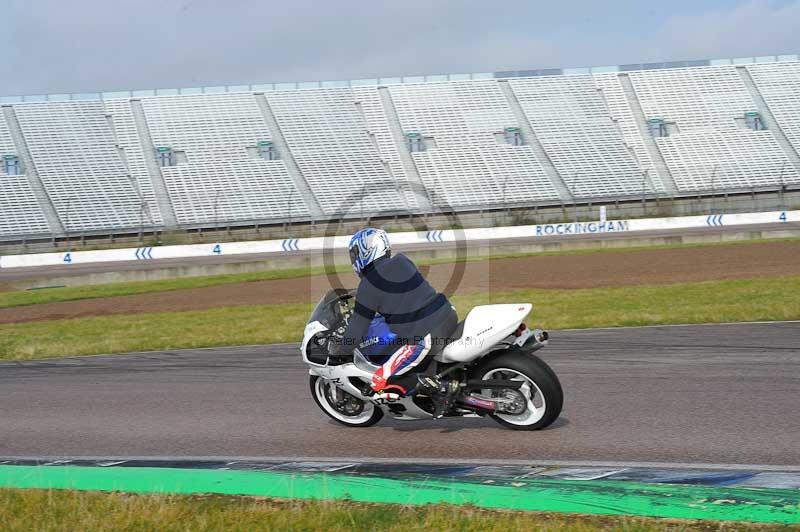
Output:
x,y
549,495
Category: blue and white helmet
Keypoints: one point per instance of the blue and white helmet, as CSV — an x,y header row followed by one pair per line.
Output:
x,y
368,245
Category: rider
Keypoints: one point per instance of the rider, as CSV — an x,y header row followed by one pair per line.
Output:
x,y
421,317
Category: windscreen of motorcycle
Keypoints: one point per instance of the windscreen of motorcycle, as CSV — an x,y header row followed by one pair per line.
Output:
x,y
328,311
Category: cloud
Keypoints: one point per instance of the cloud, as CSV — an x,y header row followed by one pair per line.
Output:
x,y
753,28
91,45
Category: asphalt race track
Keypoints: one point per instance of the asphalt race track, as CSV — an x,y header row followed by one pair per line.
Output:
x,y
19,274
724,394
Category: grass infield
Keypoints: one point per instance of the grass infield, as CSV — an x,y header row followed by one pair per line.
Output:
x,y
24,510
41,509
770,299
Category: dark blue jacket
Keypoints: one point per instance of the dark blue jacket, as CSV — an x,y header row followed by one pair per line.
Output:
x,y
394,288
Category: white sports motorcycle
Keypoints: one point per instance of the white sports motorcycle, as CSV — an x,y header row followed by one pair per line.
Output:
x,y
488,369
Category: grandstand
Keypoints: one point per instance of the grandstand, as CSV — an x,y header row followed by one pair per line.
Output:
x,y
118,163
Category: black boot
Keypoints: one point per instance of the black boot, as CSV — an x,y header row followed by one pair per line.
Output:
x,y
442,394
428,385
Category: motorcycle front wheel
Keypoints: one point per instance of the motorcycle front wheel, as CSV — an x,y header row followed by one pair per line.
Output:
x,y
341,406
541,390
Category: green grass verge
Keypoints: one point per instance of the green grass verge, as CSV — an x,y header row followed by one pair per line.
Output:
x,y
770,299
43,510
76,293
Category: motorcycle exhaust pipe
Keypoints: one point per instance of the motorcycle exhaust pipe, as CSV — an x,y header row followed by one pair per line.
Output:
x,y
535,341
488,405
478,403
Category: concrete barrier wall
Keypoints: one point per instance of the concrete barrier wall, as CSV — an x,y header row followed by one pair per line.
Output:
x,y
754,201
293,245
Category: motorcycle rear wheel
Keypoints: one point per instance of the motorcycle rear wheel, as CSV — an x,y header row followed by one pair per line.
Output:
x,y
541,388
360,414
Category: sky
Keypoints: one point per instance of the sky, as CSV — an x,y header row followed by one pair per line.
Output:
x,y
55,46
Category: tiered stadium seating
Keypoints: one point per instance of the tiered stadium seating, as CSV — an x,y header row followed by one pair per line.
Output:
x,y
330,143
779,84
19,212
464,162
589,139
620,111
724,160
76,158
6,143
709,150
699,98
377,122
572,122
128,140
220,180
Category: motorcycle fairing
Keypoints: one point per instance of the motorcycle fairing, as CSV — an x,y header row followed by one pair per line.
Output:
x,y
484,328
340,376
312,329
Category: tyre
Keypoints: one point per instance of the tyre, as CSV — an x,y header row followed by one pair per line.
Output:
x,y
343,407
541,389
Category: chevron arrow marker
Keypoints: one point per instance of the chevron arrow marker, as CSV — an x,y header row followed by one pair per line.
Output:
x,y
291,244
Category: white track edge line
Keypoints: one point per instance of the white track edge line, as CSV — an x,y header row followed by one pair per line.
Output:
x,y
588,329
427,461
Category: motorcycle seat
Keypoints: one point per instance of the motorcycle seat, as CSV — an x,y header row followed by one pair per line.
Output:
x,y
457,333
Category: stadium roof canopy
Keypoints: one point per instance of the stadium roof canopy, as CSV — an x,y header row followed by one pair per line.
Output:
x,y
259,87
